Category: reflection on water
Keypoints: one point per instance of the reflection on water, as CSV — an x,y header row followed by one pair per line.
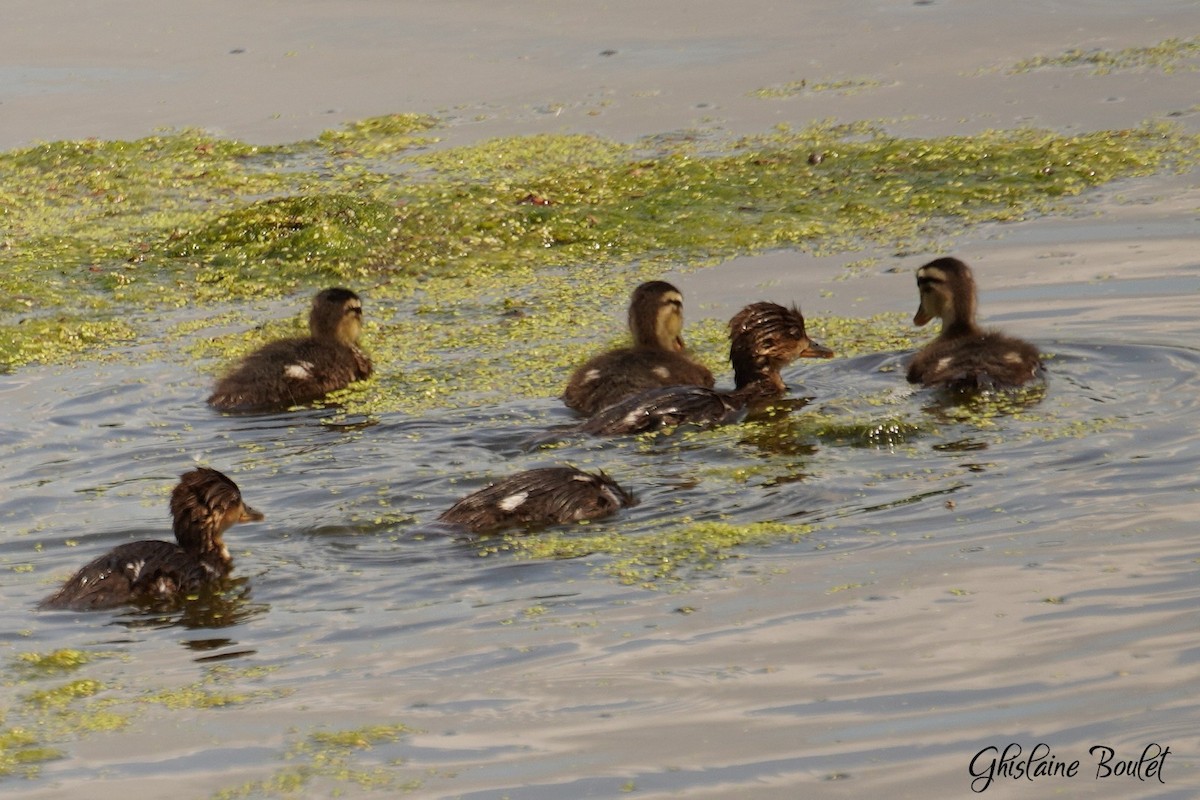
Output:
x,y
967,550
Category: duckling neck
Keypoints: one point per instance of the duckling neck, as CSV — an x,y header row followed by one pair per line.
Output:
x,y
958,315
759,385
959,328
746,372
206,546
657,338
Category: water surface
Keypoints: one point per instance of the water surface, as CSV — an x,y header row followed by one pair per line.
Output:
x,y
978,574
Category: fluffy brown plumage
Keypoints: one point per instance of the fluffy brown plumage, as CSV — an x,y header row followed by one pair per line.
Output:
x,y
204,505
657,358
539,497
295,371
764,337
964,356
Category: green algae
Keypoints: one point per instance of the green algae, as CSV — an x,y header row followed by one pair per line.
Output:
x,y
488,272
43,718
114,230
42,722
57,339
33,729
22,751
61,696
843,86
56,662
211,691
871,430
510,161
852,336
1168,56
379,136
651,558
337,236
331,759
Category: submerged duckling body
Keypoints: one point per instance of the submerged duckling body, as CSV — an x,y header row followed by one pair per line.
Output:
x,y
204,505
964,356
657,358
764,337
295,371
539,497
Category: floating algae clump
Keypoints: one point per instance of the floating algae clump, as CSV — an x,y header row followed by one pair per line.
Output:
x,y
114,230
56,662
331,760
336,236
1166,56
49,715
652,557
378,136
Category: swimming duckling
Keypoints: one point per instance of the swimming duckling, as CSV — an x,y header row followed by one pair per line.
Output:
x,y
764,337
539,497
964,356
657,357
204,505
294,371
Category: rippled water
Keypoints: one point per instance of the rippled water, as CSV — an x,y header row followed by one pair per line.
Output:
x,y
980,574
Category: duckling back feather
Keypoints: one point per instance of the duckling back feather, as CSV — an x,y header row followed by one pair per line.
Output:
x,y
539,497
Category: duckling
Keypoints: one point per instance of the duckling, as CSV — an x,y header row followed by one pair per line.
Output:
x,y
764,337
658,356
300,370
964,356
539,497
204,505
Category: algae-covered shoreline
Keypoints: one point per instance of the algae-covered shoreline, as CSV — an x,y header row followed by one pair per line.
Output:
x,y
512,250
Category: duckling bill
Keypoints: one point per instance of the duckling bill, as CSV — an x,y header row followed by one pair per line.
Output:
x,y
965,356
204,505
764,337
658,356
537,498
296,371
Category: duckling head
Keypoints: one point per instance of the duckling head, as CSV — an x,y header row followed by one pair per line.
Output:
x,y
336,314
656,316
204,505
947,290
763,337
607,496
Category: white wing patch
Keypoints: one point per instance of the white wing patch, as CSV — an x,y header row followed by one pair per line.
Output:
x,y
662,372
943,363
513,501
301,370
134,568
1012,357
591,376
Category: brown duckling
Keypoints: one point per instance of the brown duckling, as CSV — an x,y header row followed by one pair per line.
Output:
x,y
657,358
539,497
764,337
203,505
964,356
295,371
